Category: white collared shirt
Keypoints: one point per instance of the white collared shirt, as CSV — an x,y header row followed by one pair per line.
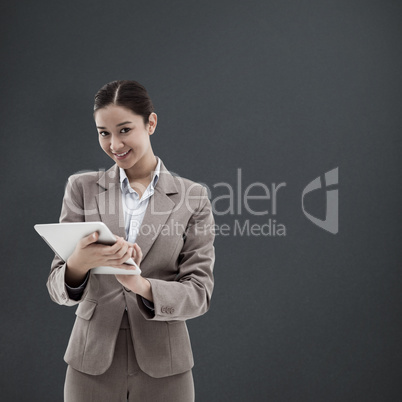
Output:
x,y
134,207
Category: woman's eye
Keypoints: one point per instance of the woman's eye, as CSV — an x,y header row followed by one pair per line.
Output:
x,y
125,128
103,133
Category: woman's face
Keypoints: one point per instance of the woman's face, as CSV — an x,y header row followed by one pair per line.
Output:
x,y
123,134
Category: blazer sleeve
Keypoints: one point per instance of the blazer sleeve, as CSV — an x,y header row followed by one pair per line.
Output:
x,y
72,210
189,295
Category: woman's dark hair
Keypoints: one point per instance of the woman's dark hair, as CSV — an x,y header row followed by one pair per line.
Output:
x,y
129,94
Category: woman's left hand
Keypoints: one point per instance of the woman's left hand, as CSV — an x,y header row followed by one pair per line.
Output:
x,y
136,283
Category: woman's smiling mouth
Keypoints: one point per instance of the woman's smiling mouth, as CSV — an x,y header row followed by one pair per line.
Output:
x,y
122,155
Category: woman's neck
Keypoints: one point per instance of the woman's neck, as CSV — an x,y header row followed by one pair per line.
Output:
x,y
143,169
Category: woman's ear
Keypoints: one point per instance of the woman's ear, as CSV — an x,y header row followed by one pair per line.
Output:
x,y
152,122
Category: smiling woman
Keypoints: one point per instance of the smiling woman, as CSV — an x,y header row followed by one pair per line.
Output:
x,y
130,338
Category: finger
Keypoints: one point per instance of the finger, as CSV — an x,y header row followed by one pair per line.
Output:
x,y
129,244
114,248
122,251
133,252
120,256
138,254
117,261
127,267
87,240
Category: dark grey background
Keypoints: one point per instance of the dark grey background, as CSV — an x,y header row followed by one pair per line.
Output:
x,y
283,90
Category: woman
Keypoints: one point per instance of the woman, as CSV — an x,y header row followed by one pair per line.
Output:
x,y
130,339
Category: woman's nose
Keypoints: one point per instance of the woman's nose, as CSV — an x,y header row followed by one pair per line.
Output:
x,y
116,144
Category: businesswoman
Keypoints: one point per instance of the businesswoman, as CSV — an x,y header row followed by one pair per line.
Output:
x,y
130,339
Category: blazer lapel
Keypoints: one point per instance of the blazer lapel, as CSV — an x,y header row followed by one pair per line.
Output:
x,y
159,207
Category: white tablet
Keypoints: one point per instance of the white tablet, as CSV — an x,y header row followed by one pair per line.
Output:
x,y
62,238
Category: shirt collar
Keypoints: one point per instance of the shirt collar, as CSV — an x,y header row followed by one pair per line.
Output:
x,y
124,179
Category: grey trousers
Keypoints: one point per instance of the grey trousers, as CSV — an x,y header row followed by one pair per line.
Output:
x,y
124,381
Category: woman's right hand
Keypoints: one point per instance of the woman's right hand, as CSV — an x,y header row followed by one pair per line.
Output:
x,y
88,254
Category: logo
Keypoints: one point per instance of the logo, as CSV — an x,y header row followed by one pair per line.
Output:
x,y
241,208
330,223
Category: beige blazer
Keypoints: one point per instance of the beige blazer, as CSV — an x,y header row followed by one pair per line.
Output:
x,y
176,238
